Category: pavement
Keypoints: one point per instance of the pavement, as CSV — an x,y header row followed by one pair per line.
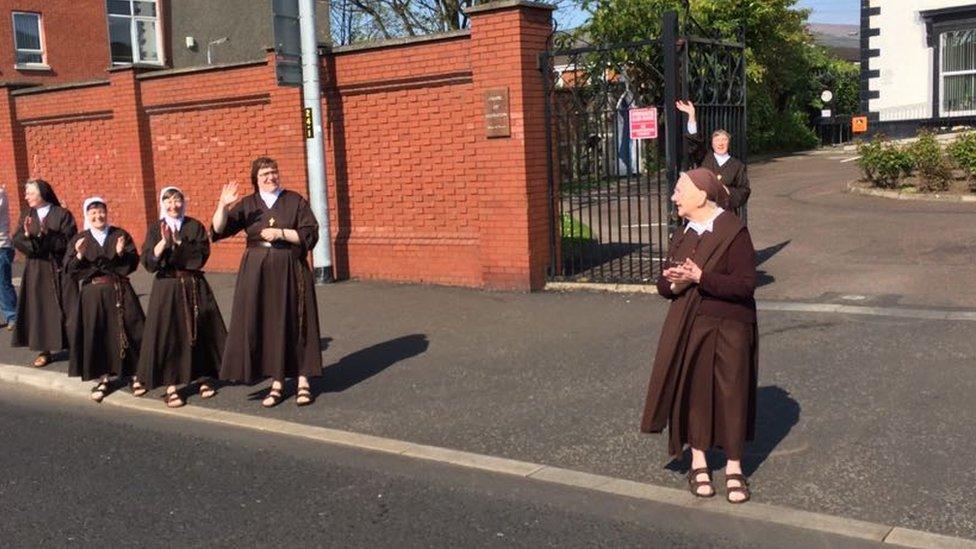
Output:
x,y
865,415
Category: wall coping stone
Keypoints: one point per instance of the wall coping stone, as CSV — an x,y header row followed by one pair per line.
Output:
x,y
58,87
506,4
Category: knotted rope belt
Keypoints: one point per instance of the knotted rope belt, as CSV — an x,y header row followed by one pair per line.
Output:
x,y
118,282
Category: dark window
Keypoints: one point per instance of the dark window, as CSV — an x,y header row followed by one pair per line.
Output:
x,y
27,38
133,29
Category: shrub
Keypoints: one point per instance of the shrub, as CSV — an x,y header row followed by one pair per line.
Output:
x,y
884,163
963,153
931,164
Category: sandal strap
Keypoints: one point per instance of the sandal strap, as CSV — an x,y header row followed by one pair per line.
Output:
x,y
738,477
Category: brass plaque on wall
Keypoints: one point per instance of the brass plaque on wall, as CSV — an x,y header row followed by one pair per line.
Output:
x,y
497,122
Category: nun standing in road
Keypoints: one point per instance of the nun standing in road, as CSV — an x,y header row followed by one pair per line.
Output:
x,y
107,321
703,383
185,333
46,293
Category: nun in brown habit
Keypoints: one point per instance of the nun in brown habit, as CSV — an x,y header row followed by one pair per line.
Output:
x,y
729,170
107,320
274,325
703,383
185,333
46,293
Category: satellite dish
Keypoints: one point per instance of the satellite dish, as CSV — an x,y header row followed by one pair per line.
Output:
x,y
826,96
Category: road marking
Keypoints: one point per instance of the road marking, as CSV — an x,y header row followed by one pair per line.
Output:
x,y
775,514
852,159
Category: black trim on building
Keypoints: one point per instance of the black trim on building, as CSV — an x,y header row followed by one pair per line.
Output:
x,y
866,54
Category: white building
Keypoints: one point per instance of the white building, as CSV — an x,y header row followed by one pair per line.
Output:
x,y
918,63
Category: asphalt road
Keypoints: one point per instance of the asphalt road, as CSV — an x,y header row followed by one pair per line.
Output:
x,y
77,474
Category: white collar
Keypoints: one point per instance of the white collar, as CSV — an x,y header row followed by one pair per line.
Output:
x,y
722,158
43,211
174,224
100,235
270,198
704,226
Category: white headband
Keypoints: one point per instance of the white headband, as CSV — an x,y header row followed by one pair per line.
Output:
x,y
88,202
162,208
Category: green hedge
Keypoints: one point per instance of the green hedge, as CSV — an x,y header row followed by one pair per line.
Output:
x,y
883,162
886,163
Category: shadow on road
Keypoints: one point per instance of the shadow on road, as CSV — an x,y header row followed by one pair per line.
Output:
x,y
366,363
776,414
765,254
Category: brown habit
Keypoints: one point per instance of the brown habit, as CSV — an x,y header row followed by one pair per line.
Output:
x,y
274,325
703,382
185,334
732,174
107,321
46,293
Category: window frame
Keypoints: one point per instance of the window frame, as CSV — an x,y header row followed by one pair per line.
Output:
x,y
43,65
134,34
943,112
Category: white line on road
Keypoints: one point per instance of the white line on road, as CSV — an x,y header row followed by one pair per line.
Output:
x,y
849,160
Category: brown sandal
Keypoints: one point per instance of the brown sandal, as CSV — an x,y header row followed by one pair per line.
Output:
x,y
174,400
138,389
694,485
275,396
206,391
99,392
742,488
304,396
42,360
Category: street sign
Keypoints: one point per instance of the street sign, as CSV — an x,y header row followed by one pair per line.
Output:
x,y
825,113
859,124
643,123
287,42
307,121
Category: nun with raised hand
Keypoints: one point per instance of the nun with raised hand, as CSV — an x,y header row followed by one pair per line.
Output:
x,y
274,329
107,321
717,158
46,293
185,333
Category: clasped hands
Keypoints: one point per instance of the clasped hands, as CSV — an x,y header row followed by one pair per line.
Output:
x,y
687,273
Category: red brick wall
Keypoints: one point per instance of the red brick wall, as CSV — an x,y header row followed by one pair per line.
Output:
x,y
400,152
417,192
76,40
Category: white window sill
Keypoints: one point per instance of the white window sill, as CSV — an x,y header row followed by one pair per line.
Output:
x,y
139,64
32,67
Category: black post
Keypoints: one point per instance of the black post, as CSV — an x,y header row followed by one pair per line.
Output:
x,y
545,67
672,123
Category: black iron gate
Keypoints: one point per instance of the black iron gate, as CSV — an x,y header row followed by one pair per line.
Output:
x,y
609,195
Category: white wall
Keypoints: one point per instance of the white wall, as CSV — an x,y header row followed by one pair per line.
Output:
x,y
905,82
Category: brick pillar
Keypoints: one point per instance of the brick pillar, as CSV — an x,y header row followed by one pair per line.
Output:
x,y
134,184
13,167
507,37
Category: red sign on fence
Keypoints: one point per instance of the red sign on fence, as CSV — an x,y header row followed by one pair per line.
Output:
x,y
643,123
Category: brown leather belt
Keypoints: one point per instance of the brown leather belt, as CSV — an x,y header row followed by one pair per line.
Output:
x,y
265,244
179,273
108,279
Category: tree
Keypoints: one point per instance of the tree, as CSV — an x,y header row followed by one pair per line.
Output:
x,y
781,56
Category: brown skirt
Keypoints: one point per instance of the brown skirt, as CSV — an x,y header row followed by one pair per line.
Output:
x,y
718,386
